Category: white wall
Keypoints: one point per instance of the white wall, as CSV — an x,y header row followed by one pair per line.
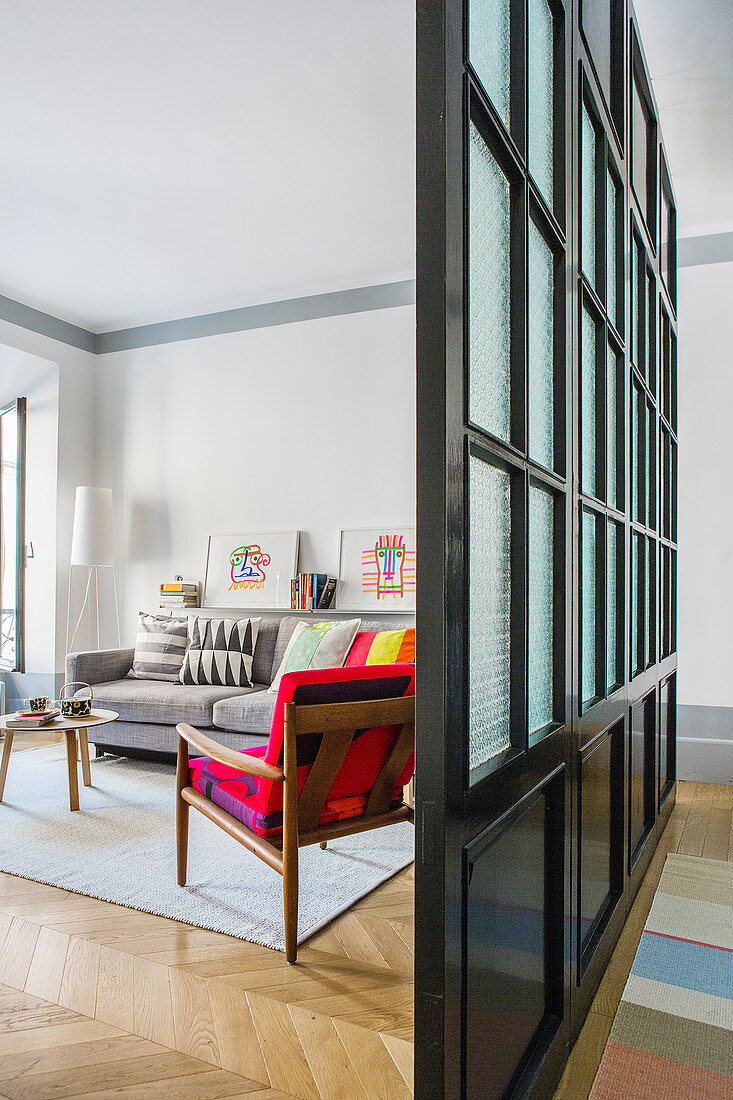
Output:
x,y
705,523
308,426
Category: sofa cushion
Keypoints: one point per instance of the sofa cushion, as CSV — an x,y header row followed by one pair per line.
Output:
x,y
383,647
236,792
250,713
265,650
220,652
164,703
160,647
320,645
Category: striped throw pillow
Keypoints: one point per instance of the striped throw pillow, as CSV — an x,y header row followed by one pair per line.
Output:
x,y
160,647
383,647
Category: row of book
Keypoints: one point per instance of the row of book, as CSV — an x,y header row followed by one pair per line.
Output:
x,y
312,591
178,595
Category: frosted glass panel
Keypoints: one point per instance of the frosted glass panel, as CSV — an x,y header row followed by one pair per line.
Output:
x,y
611,428
489,611
588,654
635,304
488,49
541,357
541,586
588,198
634,603
611,592
540,101
648,639
588,405
611,215
634,453
489,339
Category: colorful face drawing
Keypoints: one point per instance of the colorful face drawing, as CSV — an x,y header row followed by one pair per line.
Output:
x,y
389,554
388,568
248,567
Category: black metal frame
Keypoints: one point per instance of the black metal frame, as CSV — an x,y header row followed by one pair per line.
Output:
x,y
459,813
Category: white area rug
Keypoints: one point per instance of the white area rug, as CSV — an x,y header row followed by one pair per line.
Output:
x,y
120,846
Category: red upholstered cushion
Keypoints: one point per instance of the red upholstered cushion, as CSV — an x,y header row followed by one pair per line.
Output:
x,y
258,802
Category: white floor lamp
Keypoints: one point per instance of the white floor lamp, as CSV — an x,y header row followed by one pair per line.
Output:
x,y
92,545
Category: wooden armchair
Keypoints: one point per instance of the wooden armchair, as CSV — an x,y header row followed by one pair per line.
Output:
x,y
340,751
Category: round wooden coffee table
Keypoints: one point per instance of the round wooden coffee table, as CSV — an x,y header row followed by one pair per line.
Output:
x,y
71,728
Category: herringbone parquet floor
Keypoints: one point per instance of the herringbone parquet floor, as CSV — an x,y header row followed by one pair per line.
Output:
x,y
97,1000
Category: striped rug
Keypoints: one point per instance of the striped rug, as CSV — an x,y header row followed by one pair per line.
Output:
x,y
672,1036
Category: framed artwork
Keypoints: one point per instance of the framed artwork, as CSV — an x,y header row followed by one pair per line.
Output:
x,y
252,570
377,569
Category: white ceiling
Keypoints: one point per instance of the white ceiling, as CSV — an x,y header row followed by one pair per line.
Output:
x,y
689,50
163,158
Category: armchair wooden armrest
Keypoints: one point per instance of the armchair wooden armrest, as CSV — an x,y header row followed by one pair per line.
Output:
x,y
250,765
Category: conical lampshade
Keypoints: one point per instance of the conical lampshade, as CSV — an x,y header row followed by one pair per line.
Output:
x,y
92,542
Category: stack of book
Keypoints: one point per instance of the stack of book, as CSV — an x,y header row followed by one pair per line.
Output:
x,y
31,719
177,595
312,591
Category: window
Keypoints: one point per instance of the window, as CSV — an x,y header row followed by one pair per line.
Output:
x,y
12,535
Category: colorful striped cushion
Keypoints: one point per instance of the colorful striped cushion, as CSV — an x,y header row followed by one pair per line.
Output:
x,y
383,647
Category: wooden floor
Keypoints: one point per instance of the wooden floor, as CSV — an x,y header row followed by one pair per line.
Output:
x,y
97,1000
701,824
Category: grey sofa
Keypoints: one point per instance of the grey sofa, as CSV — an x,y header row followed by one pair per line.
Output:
x,y
149,709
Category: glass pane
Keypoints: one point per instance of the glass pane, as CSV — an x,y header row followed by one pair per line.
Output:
x,y
611,595
651,332
541,351
588,655
588,198
588,405
665,364
540,103
489,316
639,148
488,50
541,588
651,467
612,480
673,379
673,600
648,603
611,216
634,454
634,604
8,527
489,611
635,263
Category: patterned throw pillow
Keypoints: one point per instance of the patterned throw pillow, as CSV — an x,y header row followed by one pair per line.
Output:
x,y
383,647
160,647
322,645
220,652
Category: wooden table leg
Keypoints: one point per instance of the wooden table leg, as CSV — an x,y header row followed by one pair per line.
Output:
x,y
5,760
86,771
70,736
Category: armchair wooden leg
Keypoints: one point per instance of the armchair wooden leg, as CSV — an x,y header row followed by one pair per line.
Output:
x,y
290,843
323,844
182,811
290,899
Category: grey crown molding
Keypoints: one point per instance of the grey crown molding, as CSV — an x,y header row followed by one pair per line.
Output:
x,y
712,248
332,304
